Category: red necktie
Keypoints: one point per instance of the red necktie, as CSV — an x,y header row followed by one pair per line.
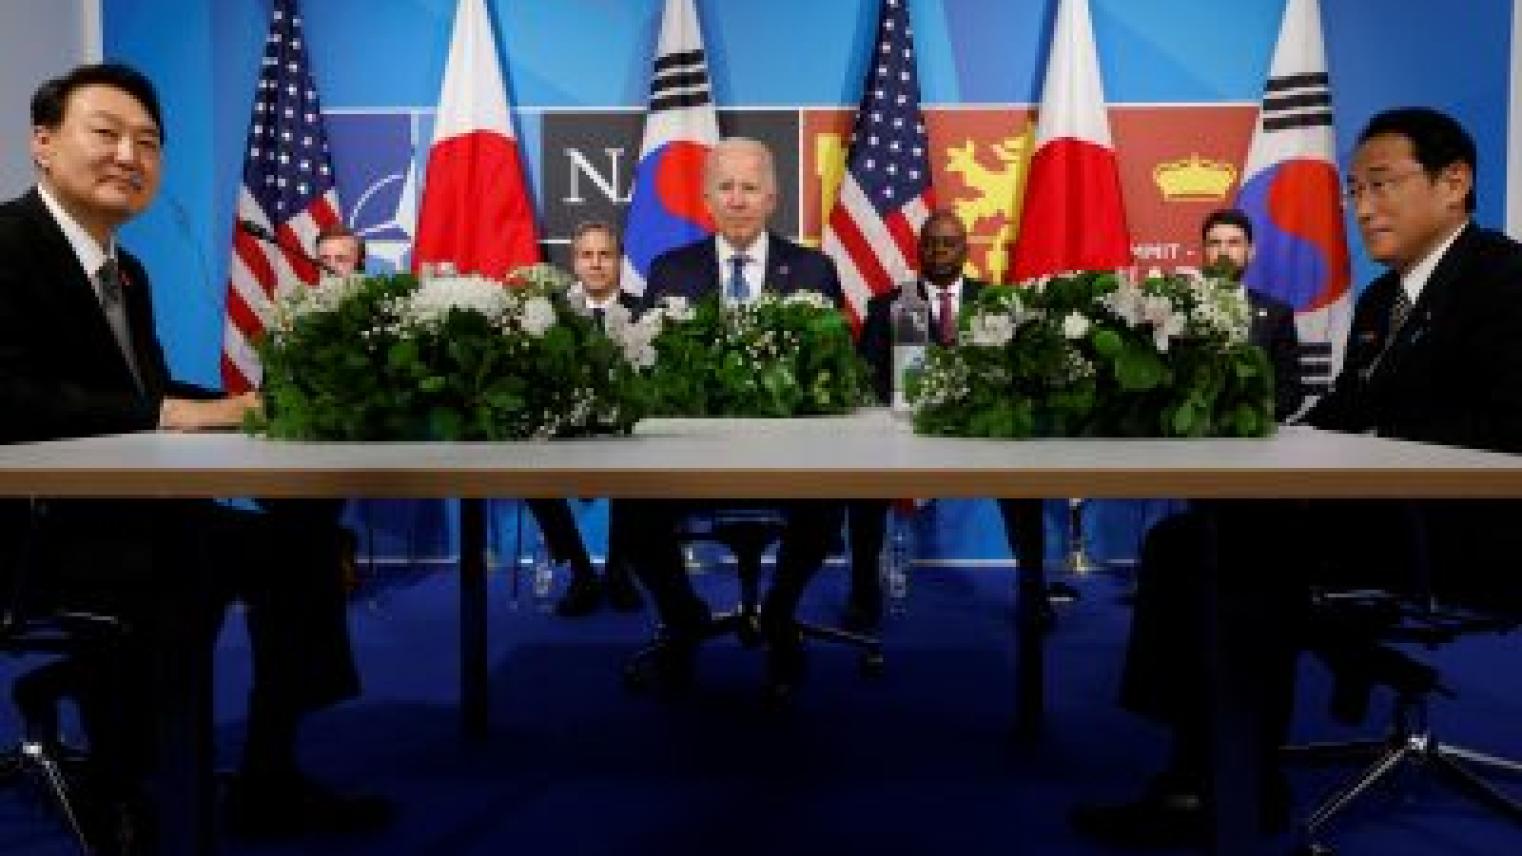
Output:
x,y
948,318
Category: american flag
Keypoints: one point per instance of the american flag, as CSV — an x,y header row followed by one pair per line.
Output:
x,y
287,193
885,194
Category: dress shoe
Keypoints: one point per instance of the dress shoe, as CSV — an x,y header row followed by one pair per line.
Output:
x,y
623,595
1172,813
1166,815
582,597
271,807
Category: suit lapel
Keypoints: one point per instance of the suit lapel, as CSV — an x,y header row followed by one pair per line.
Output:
x,y
712,277
1434,302
779,266
1399,347
78,307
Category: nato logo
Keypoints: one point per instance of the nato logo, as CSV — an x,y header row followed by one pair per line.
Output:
x,y
378,158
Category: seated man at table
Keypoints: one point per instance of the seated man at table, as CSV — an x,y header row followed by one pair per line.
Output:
x,y
948,292
596,259
79,357
1433,356
742,258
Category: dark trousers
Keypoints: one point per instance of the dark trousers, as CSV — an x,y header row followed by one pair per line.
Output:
x,y
128,559
809,531
1271,555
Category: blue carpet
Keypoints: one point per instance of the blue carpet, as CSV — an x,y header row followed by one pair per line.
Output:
x,y
916,761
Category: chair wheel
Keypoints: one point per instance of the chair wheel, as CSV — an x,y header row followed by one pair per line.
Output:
x,y
872,664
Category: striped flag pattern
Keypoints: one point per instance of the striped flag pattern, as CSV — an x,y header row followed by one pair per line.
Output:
x,y
885,193
287,191
666,206
1291,190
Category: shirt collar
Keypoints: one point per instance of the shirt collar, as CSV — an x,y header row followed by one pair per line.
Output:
x,y
89,253
756,253
1414,281
594,303
933,291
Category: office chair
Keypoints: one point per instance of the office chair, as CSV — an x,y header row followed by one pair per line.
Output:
x,y
1356,632
40,756
747,533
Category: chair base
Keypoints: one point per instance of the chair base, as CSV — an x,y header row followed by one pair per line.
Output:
x,y
745,625
42,763
1451,763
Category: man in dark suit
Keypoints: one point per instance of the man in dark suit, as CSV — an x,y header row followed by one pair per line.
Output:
x,y
1433,356
1227,244
79,357
740,260
944,288
596,254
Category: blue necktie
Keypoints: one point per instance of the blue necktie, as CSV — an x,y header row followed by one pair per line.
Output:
x,y
737,288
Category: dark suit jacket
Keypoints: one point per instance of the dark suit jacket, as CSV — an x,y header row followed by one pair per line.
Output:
x,y
1453,373
876,342
692,271
61,371
1273,330
62,374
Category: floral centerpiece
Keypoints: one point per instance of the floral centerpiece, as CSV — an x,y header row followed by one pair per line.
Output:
x,y
1094,354
445,358
779,355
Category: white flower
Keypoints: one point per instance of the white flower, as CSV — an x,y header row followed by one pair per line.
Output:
x,y
808,298
617,315
296,300
676,308
1126,303
538,316
1165,330
636,339
991,331
436,298
1075,325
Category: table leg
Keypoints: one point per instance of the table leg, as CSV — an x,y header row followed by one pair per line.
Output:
x,y
473,678
1032,621
183,784
1236,763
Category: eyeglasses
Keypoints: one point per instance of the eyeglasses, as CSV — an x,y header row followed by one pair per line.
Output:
x,y
1378,189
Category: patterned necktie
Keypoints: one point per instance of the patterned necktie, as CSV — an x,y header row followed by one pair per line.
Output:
x,y
737,288
599,317
109,278
947,318
1400,308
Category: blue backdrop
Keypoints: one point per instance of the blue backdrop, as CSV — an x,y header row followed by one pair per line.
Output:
x,y
370,57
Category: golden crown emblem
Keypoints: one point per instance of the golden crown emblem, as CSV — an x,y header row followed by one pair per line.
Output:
x,y
1194,178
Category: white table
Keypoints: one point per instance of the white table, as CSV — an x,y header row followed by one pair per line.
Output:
x,y
871,454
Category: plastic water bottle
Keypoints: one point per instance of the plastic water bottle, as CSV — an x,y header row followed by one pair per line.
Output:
x,y
911,335
897,558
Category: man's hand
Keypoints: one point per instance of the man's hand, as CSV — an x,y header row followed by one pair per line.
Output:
x,y
180,414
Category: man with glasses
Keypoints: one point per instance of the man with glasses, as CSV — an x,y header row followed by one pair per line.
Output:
x,y
1433,356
